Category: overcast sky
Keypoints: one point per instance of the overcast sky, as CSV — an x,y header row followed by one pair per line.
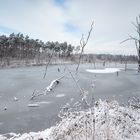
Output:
x,y
67,20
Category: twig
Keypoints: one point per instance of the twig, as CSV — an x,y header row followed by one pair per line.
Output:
x,y
130,38
81,91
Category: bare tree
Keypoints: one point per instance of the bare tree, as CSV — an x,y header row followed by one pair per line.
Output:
x,y
136,39
83,43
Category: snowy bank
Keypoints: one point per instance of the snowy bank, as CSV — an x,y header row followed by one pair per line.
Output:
x,y
106,120
106,70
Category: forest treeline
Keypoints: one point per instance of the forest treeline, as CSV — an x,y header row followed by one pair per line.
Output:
x,y
21,47
17,47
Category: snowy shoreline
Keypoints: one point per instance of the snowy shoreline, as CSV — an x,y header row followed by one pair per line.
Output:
x,y
106,120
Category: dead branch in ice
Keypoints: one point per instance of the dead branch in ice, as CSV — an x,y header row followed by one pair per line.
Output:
x,y
49,88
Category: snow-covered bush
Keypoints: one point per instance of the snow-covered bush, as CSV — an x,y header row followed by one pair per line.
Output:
x,y
106,120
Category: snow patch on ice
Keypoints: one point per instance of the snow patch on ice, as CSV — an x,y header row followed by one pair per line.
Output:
x,y
106,70
33,105
60,95
43,102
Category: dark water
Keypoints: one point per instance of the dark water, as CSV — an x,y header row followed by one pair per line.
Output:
x,y
21,82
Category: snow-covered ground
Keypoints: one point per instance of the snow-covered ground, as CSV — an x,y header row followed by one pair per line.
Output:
x,y
106,70
107,120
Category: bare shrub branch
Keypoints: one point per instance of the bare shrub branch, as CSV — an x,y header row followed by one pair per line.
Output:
x,y
83,43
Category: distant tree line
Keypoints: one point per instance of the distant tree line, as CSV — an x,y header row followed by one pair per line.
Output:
x,y
18,46
24,49
92,58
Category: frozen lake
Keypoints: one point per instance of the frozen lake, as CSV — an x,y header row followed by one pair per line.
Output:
x,y
21,82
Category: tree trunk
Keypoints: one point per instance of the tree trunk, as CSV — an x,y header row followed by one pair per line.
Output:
x,y
139,66
139,57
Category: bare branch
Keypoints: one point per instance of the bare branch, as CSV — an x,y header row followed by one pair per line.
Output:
x,y
36,95
134,38
137,21
130,38
81,90
48,64
137,27
83,43
125,40
34,92
89,33
136,44
79,59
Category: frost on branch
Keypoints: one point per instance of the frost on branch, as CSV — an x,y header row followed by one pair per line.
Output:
x,y
134,102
